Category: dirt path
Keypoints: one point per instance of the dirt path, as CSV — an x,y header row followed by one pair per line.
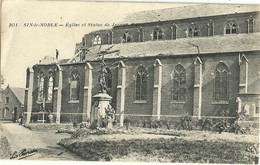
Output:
x,y
44,141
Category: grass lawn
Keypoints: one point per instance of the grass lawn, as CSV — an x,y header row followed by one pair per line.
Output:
x,y
164,146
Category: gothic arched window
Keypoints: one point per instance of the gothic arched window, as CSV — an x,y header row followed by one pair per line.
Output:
x,y
174,32
74,85
250,25
50,86
210,28
234,28
190,32
231,28
179,83
97,40
195,32
157,34
221,83
141,83
126,37
40,86
228,29
141,34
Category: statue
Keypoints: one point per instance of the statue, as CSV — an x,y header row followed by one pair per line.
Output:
x,y
57,54
102,81
105,112
103,71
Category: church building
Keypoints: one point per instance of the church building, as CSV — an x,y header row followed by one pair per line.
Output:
x,y
199,60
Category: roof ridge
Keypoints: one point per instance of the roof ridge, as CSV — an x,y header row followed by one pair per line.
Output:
x,y
185,12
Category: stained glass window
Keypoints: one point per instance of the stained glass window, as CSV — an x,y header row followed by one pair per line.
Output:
x,y
50,86
210,28
174,32
157,34
126,37
195,32
250,25
179,83
231,28
141,83
74,86
97,40
221,83
41,86
141,34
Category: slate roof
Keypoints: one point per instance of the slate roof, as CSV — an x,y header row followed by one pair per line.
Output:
x,y
19,93
207,45
185,12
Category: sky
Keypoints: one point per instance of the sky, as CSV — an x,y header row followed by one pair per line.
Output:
x,y
22,47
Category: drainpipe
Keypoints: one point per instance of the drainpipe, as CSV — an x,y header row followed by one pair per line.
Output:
x,y
195,46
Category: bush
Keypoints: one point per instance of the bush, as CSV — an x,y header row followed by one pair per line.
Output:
x,y
115,122
94,125
156,124
216,125
83,125
147,123
127,122
219,127
206,124
236,128
81,132
186,122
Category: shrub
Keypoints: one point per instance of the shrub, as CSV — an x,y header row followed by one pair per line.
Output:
x,y
94,125
137,122
216,125
219,127
147,123
236,128
81,132
127,122
156,124
206,124
186,122
83,125
115,122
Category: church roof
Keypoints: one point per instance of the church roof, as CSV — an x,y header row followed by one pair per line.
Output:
x,y
192,11
183,46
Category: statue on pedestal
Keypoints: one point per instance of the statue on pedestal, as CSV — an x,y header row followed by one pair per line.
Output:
x,y
105,112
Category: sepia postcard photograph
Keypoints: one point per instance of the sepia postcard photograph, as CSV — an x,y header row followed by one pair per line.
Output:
x,y
142,82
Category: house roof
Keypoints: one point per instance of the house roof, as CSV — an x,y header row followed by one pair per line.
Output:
x,y
19,93
185,12
183,46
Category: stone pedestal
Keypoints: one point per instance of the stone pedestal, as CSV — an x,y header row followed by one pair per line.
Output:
x,y
103,100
